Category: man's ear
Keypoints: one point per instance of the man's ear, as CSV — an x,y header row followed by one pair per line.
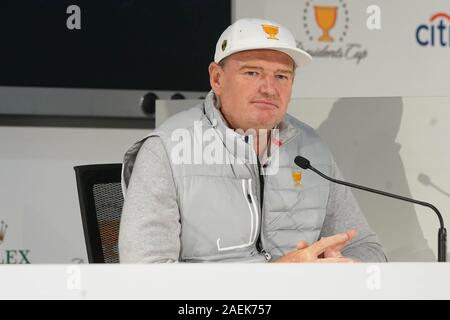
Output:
x,y
215,77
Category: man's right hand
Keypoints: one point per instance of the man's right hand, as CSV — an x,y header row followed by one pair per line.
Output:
x,y
315,252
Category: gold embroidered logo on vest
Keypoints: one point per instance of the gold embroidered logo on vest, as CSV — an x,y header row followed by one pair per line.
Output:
x,y
297,177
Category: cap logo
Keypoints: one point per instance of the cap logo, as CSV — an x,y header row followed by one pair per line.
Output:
x,y
271,31
224,44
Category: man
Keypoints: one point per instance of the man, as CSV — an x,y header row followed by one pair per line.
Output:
x,y
218,182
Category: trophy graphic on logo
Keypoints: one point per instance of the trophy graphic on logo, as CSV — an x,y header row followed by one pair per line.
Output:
x,y
271,31
325,18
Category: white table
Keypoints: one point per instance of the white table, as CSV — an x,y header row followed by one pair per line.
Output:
x,y
227,281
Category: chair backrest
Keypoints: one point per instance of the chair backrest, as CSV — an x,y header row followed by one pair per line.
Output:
x,y
101,202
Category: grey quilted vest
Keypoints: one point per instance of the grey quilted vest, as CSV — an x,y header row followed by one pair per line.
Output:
x,y
228,210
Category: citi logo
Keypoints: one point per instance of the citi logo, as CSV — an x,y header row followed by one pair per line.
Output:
x,y
436,33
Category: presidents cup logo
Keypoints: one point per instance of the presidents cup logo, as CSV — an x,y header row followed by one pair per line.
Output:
x,y
326,19
11,256
436,33
271,31
325,25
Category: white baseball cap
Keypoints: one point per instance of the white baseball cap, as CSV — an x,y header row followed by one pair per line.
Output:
x,y
250,34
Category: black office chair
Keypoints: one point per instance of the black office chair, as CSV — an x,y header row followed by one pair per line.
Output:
x,y
101,202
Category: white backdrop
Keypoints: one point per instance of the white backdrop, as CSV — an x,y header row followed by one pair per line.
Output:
x,y
393,144
395,65
38,194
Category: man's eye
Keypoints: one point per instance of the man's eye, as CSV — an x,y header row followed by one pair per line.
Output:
x,y
251,73
282,77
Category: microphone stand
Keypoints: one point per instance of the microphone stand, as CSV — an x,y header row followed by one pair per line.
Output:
x,y
442,234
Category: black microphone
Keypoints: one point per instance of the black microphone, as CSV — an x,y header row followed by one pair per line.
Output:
x,y
442,234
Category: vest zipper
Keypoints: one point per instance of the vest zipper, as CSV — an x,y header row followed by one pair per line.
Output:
x,y
259,246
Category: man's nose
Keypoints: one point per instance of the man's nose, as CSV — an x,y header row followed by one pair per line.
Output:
x,y
268,85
